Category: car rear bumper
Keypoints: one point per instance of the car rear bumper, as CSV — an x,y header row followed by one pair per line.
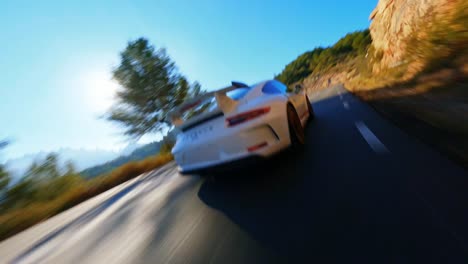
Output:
x,y
225,166
259,137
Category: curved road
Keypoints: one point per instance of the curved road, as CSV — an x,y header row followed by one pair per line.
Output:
x,y
361,191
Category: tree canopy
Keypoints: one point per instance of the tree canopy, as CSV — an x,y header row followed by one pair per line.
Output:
x,y
4,175
151,87
44,181
4,178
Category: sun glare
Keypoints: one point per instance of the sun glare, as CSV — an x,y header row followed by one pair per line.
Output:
x,y
100,90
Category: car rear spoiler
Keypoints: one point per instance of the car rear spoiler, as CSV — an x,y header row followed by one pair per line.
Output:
x,y
224,102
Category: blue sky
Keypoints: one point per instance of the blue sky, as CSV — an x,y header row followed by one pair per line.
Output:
x,y
56,56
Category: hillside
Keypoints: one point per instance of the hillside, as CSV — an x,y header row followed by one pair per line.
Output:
x,y
411,66
138,154
319,61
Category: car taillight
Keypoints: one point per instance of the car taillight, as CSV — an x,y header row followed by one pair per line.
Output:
x,y
257,147
246,116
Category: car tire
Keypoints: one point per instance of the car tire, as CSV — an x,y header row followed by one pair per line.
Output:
x,y
310,108
296,131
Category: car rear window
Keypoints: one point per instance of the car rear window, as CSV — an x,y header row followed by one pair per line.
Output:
x,y
238,93
274,87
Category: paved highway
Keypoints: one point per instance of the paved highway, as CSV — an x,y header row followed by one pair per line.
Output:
x,y
362,191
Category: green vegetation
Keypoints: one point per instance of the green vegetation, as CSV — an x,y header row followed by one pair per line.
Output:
x,y
151,88
45,191
4,175
42,182
320,59
425,95
4,178
138,154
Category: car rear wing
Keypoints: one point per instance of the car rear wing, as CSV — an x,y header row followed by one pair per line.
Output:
x,y
224,103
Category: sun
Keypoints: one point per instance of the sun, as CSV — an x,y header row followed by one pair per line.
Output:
x,y
100,90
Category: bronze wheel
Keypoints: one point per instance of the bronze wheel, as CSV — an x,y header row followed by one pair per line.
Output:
x,y
296,131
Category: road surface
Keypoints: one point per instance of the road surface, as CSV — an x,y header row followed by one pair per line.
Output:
x,y
361,191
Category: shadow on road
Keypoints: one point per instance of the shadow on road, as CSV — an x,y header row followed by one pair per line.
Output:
x,y
335,202
277,203
264,201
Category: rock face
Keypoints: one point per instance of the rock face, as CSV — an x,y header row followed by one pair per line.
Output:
x,y
394,21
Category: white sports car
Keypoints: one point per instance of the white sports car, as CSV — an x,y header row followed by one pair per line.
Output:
x,y
238,124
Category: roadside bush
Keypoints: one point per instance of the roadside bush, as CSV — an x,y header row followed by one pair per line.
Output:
x,y
18,220
65,192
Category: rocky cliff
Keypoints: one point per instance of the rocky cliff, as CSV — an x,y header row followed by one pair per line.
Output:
x,y
394,22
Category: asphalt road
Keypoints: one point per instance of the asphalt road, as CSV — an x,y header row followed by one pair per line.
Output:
x,y
361,191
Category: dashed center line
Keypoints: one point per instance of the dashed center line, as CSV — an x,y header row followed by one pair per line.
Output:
x,y
370,138
346,105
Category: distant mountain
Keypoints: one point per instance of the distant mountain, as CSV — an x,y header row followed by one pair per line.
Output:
x,y
139,153
91,162
130,148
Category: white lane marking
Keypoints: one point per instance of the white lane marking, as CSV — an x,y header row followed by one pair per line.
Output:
x,y
371,139
346,105
338,91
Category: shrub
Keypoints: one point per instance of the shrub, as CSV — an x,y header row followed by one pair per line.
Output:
x,y
322,59
67,191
